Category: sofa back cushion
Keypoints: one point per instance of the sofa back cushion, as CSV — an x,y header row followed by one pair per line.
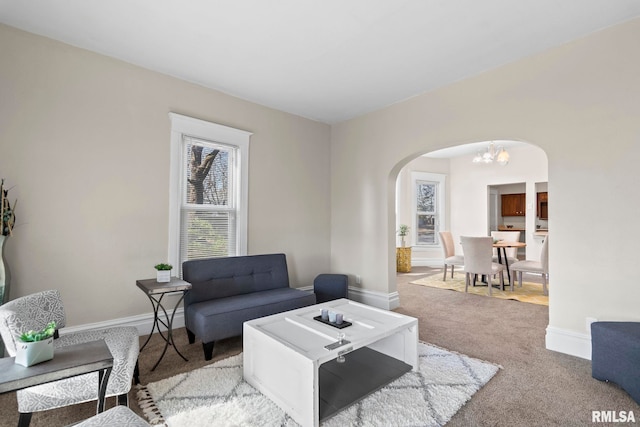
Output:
x,y
213,278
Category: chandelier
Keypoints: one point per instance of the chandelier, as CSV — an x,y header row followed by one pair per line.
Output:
x,y
491,155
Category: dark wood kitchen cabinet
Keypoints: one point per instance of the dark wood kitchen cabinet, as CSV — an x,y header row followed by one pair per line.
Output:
x,y
514,204
542,208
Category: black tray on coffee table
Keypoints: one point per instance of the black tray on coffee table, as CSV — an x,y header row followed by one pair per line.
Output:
x,y
344,324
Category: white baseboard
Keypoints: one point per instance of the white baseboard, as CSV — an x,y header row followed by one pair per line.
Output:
x,y
427,262
373,298
142,322
568,342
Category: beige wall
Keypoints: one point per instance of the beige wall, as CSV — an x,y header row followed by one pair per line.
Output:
x,y
579,103
84,140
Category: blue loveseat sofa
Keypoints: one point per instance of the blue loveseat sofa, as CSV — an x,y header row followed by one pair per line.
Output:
x,y
226,292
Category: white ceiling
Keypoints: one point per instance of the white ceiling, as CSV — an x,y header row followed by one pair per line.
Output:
x,y
328,60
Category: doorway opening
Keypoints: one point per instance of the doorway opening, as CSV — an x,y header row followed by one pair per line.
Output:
x,y
475,199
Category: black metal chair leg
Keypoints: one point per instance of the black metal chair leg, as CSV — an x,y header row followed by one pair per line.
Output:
x,y
136,373
123,399
25,419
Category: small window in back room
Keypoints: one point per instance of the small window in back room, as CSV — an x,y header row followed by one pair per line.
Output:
x,y
428,207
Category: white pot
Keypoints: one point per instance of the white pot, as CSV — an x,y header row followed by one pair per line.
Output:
x,y
163,276
31,353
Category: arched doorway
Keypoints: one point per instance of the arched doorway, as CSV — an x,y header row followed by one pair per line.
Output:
x,y
462,192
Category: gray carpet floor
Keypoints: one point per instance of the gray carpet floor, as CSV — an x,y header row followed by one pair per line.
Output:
x,y
536,387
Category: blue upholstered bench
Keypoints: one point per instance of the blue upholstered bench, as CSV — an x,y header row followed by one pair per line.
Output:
x,y
615,355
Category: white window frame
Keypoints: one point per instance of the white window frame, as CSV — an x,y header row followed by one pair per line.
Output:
x,y
189,126
441,199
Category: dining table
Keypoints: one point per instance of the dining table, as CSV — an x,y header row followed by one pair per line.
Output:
x,y
501,246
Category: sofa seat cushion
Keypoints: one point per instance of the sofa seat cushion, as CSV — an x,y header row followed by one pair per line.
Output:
x,y
221,318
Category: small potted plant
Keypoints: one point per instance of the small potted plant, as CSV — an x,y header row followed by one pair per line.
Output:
x,y
402,232
163,272
36,347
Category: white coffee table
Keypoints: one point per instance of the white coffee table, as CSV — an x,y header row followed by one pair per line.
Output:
x,y
285,357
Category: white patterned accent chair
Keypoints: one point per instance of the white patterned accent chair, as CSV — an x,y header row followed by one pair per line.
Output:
x,y
118,416
33,312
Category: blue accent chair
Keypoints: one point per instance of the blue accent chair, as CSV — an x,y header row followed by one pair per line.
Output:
x,y
328,287
615,355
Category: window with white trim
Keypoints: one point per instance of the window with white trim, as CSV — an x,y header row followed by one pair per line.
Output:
x,y
209,172
428,207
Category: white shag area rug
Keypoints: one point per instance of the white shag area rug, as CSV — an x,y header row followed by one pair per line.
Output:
x,y
216,395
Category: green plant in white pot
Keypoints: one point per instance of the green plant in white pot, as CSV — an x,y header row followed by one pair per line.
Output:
x,y
36,346
163,272
402,232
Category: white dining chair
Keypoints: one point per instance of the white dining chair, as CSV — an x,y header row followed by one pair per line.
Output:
x,y
530,266
477,260
507,236
449,251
